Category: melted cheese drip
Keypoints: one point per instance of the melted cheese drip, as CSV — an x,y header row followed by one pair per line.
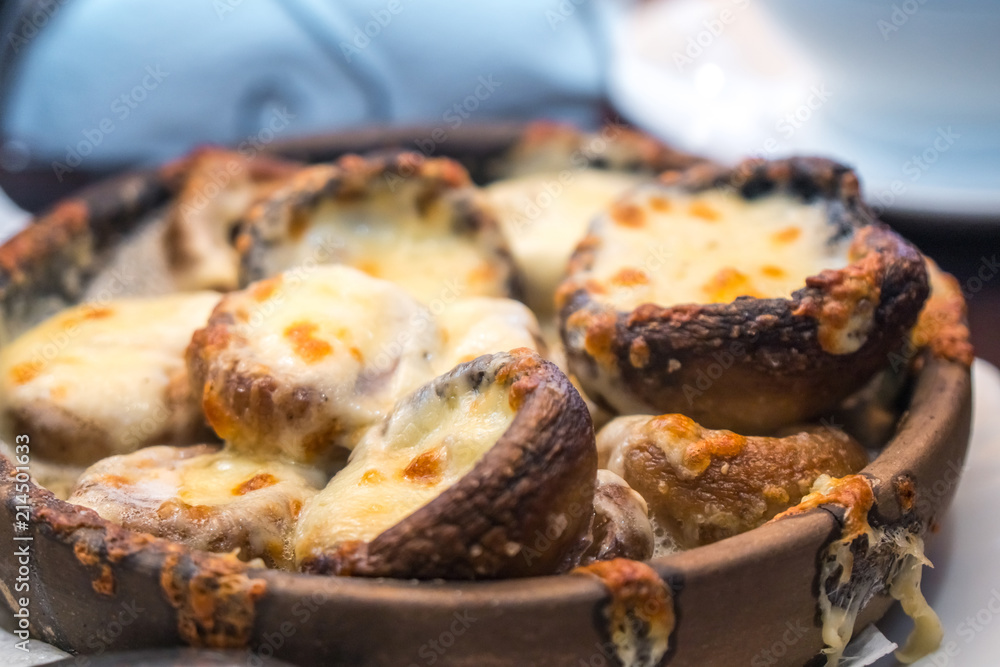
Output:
x,y
109,365
418,252
544,216
428,444
709,247
902,581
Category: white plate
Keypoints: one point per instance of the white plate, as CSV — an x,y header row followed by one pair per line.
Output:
x,y
718,77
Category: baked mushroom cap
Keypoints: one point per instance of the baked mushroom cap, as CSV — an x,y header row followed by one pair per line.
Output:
x,y
415,221
300,364
486,472
621,526
297,364
557,179
215,187
746,298
548,146
104,378
204,498
544,216
704,485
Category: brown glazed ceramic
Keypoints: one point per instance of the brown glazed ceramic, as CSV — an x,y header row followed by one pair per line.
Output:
x,y
95,587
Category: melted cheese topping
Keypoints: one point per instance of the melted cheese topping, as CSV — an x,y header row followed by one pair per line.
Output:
x,y
430,442
473,327
351,346
544,216
354,343
115,367
385,239
708,247
202,497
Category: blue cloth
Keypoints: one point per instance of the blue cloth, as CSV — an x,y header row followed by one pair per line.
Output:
x,y
126,81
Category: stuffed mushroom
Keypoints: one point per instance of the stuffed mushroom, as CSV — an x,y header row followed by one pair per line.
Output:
x,y
105,378
205,498
486,472
556,180
748,298
414,221
703,485
299,365
215,187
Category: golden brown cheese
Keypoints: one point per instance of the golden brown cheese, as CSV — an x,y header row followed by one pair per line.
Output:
x,y
300,364
428,443
708,247
544,216
202,497
297,364
703,485
104,378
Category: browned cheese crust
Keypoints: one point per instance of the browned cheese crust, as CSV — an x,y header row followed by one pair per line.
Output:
x,y
752,364
705,485
523,508
640,614
942,326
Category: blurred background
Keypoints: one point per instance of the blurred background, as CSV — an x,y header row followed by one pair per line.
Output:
x,y
906,91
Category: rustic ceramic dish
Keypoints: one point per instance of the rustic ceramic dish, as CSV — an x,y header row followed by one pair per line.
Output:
x,y
95,587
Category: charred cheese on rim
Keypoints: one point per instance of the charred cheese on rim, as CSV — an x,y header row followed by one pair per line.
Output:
x,y
670,247
104,378
300,364
544,216
431,440
202,497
